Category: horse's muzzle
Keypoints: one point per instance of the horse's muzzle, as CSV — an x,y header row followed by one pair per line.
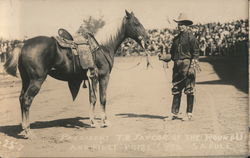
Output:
x,y
142,42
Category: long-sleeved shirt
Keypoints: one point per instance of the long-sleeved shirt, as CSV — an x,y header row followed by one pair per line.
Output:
x,y
185,46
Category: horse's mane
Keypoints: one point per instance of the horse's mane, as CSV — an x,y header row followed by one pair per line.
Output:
x,y
110,31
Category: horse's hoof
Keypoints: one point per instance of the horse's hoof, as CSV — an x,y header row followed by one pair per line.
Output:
x,y
27,135
92,125
23,134
105,124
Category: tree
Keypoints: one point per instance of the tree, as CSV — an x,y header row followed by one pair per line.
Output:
x,y
91,24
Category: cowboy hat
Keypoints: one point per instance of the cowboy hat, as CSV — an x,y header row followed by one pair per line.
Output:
x,y
183,19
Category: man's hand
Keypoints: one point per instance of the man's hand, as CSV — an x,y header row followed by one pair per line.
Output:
x,y
164,57
195,61
195,64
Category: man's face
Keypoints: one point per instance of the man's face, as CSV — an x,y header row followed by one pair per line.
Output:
x,y
182,27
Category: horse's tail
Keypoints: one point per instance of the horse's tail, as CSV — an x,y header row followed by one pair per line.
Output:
x,y
11,63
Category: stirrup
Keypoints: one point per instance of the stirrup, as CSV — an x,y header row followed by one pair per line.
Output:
x,y
92,73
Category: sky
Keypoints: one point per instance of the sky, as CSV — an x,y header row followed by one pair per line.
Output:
x,y
20,18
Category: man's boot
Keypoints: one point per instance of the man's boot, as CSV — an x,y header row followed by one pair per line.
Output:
x,y
190,104
175,107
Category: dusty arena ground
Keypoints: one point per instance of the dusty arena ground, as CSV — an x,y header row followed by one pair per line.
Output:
x,y
138,101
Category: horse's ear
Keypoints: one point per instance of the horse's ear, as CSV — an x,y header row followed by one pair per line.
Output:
x,y
127,13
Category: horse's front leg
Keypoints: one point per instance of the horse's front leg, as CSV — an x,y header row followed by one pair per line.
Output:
x,y
103,84
92,82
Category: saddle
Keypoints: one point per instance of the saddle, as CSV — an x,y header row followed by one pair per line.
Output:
x,y
82,47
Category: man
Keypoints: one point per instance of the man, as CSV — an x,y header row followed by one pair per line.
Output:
x,y
185,53
4,52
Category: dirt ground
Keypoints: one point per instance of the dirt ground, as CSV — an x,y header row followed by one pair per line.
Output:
x,y
138,100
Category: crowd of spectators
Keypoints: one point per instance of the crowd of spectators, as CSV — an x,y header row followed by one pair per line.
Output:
x,y
215,39
5,47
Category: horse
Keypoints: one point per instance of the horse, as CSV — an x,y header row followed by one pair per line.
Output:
x,y
39,57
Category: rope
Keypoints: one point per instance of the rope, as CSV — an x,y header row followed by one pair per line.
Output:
x,y
147,61
129,68
165,67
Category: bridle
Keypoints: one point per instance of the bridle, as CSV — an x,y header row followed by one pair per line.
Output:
x,y
108,57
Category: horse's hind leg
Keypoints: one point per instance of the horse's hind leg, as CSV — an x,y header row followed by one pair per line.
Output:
x,y
25,84
26,100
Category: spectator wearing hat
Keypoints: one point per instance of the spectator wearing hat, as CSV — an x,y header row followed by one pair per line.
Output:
x,y
184,53
4,52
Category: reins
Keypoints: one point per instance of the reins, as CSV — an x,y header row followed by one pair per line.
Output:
x,y
129,68
148,64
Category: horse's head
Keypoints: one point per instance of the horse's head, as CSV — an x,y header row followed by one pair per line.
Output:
x,y
135,30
